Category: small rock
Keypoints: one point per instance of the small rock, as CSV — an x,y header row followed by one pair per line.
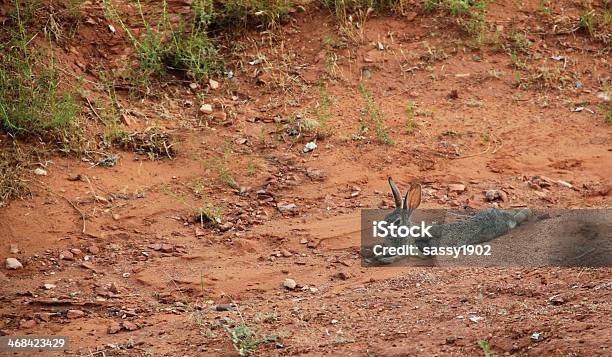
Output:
x,y
456,187
285,253
94,250
303,241
130,326
309,147
193,85
289,284
113,288
40,172
213,84
13,249
450,340
556,300
313,289
49,286
287,207
66,255
199,232
475,318
116,216
316,175
342,275
223,307
492,195
206,109
74,314
13,264
113,328
75,251
536,336
226,226
167,248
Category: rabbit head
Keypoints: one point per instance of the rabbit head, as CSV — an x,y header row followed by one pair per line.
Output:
x,y
403,207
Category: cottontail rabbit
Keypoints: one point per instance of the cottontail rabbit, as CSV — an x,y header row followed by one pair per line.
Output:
x,y
486,225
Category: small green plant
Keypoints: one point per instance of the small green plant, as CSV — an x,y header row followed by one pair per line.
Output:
x,y
471,15
607,113
149,48
205,212
543,7
251,167
586,21
371,114
330,56
323,109
245,338
486,347
409,117
193,50
266,317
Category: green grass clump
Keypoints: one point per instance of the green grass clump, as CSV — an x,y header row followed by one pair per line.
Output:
x,y
371,115
246,338
409,117
31,100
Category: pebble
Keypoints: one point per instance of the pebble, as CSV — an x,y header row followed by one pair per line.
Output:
x,y
535,337
303,241
285,253
13,264
66,255
492,195
309,147
213,84
49,286
289,284
130,326
113,288
40,172
13,249
456,187
113,328
206,109
94,250
74,314
287,207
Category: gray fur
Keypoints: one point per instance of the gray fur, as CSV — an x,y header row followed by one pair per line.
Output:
x,y
486,225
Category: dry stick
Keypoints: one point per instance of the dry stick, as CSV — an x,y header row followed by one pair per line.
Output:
x,y
67,200
498,139
477,154
93,110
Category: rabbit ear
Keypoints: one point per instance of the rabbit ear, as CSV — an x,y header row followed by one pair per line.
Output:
x,y
413,197
397,196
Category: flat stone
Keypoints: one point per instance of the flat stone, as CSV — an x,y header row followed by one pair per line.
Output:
x,y
13,264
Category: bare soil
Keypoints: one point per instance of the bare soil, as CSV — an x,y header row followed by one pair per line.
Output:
x,y
143,259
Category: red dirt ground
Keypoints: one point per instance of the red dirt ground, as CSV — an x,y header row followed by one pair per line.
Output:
x,y
148,263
